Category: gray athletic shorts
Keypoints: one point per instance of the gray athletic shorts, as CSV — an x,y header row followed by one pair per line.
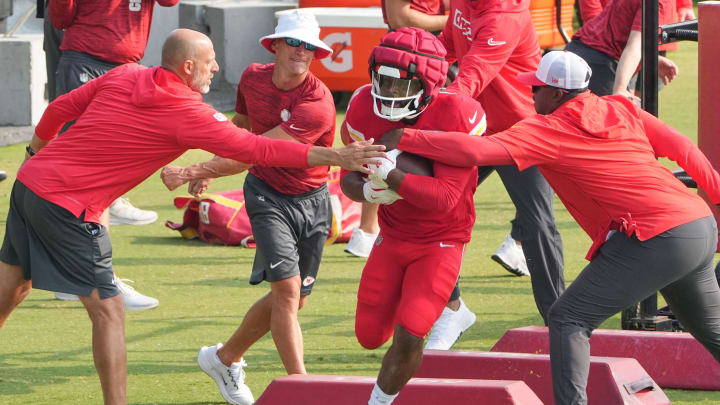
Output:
x,y
290,232
57,251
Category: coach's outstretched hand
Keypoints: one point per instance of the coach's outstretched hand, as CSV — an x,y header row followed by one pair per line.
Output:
x,y
353,156
391,138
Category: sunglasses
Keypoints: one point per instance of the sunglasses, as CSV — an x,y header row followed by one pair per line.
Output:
x,y
535,89
296,42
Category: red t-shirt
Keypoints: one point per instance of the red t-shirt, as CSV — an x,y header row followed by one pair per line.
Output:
x,y
115,31
589,9
429,7
599,155
131,122
438,208
306,112
608,32
493,41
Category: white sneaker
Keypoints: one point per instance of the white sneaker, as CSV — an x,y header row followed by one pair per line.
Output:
x,y
449,327
230,380
511,256
360,243
123,213
134,301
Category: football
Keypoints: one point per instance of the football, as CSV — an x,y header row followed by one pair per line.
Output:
x,y
410,163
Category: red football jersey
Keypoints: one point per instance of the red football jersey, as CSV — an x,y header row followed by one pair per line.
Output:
x,y
115,31
306,112
438,208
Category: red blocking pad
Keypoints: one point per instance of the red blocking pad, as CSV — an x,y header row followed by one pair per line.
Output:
x,y
672,359
345,390
612,381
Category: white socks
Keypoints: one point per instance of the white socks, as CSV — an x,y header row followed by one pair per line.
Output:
x,y
378,397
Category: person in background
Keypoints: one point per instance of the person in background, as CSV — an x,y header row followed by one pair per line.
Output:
x,y
611,44
493,41
289,209
89,49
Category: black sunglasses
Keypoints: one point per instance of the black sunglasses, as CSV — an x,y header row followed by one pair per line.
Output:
x,y
296,42
535,89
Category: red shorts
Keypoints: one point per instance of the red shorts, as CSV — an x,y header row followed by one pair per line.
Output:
x,y
407,284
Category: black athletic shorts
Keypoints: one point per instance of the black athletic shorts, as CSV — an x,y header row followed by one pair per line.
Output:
x,y
57,251
290,232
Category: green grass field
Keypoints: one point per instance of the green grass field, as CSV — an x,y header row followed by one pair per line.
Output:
x,y
45,352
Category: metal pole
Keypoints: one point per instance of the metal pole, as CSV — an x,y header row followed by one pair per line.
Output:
x,y
649,77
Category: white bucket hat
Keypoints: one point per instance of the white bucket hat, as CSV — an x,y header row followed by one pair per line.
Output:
x,y
561,69
298,24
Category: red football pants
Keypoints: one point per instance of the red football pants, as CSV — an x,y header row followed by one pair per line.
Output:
x,y
405,283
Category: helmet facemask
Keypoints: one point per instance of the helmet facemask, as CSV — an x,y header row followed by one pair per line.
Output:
x,y
397,93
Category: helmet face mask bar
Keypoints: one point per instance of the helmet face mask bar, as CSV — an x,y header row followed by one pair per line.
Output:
x,y
396,92
407,70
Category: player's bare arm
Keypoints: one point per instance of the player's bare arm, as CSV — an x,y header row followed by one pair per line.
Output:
x,y
175,176
352,157
352,186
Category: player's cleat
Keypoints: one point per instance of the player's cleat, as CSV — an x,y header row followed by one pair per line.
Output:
x,y
449,327
510,255
360,243
230,380
123,213
134,301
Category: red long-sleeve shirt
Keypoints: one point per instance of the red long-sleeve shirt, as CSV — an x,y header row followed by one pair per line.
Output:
x,y
131,122
599,155
438,208
115,31
493,40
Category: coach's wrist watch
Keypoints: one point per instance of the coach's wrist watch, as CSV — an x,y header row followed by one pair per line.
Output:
x,y
29,151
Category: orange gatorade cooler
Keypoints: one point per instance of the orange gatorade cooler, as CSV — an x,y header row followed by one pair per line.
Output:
x,y
543,17
351,32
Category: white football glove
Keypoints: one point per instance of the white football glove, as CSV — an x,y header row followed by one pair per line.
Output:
x,y
382,167
379,195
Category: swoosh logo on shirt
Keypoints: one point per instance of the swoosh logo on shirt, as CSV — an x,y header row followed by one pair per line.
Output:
x,y
446,244
273,265
294,128
491,42
472,120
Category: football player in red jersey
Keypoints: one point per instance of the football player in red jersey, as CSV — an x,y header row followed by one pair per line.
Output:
x,y
425,221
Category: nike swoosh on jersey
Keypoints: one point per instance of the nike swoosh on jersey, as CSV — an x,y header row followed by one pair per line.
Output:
x,y
446,244
294,128
273,265
491,42
472,120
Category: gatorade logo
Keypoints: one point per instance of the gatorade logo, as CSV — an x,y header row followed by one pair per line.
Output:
x,y
135,5
341,58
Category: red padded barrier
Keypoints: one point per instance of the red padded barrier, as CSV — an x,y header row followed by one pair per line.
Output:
x,y
672,359
344,390
608,382
708,93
